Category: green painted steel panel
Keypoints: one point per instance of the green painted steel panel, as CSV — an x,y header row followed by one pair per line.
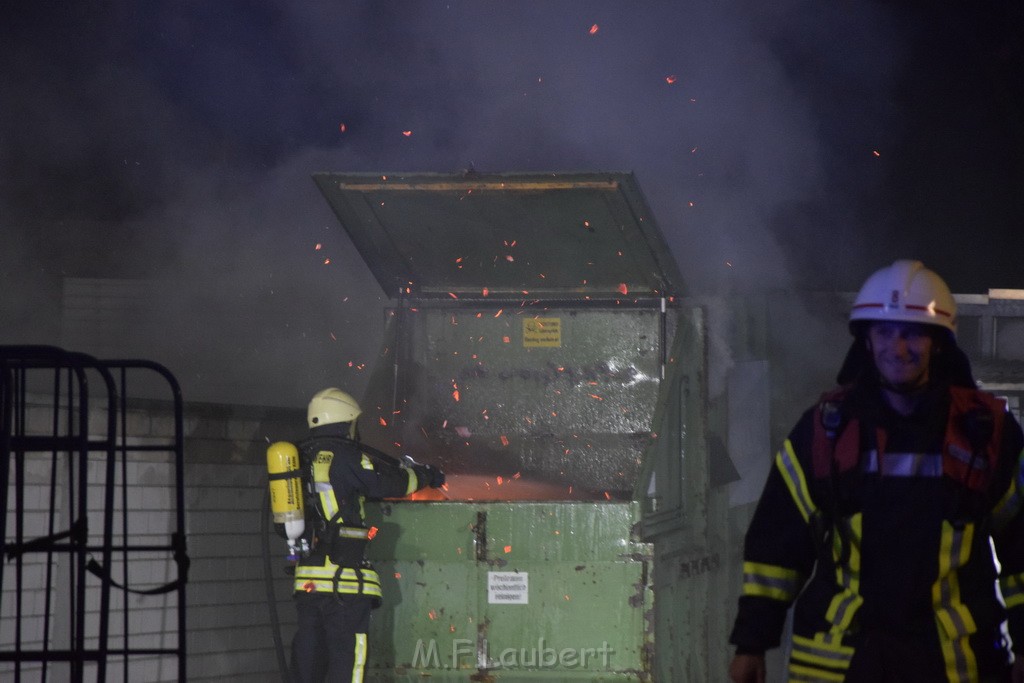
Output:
x,y
563,235
585,584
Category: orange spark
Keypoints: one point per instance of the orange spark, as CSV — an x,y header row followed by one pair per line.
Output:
x,y
318,246
506,339
398,575
594,29
508,257
327,261
499,480
596,397
508,549
341,127
504,440
383,422
407,133
876,153
500,310
486,291
623,288
670,79
455,395
432,614
606,496
452,295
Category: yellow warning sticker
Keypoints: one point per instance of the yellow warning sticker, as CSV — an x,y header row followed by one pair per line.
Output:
x,y
542,332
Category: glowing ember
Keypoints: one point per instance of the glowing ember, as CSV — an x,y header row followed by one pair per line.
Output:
x,y
498,314
407,133
670,79
508,549
486,291
505,340
398,575
318,246
623,288
452,295
504,440
594,29
606,496
509,258
432,614
341,128
383,422
455,395
327,261
876,153
596,397
499,480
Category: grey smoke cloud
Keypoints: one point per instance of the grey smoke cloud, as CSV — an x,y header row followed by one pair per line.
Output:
x,y
187,132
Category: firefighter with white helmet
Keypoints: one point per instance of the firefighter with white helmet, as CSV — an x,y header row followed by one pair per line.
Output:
x,y
879,516
335,587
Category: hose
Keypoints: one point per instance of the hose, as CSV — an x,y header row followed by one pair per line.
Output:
x,y
268,583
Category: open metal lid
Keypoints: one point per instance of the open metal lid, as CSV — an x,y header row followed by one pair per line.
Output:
x,y
557,235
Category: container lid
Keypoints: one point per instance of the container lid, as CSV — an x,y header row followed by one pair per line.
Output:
x,y
470,235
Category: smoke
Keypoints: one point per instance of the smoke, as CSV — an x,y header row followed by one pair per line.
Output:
x,y
768,141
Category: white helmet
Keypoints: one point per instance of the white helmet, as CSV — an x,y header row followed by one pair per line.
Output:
x,y
330,406
906,291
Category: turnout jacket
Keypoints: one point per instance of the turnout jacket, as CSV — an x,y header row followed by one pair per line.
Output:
x,y
340,477
874,522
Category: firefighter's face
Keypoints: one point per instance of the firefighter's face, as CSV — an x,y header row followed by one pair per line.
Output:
x,y
902,353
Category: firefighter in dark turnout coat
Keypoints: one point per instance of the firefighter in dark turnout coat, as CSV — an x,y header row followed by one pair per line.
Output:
x,y
335,587
882,509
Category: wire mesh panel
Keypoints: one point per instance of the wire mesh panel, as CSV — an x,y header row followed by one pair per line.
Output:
x,y
93,580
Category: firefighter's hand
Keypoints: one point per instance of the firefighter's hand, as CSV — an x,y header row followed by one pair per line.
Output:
x,y
429,475
747,669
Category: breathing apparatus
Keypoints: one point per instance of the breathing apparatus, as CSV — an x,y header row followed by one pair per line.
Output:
x,y
286,495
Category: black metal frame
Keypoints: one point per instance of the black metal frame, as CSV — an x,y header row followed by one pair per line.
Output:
x,y
72,444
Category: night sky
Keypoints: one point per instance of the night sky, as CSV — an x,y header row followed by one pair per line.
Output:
x,y
792,144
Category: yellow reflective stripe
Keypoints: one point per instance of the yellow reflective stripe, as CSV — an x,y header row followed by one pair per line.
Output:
x,y
322,483
844,604
954,619
323,586
808,674
1012,589
413,483
366,462
1012,501
788,465
328,571
771,581
823,658
360,659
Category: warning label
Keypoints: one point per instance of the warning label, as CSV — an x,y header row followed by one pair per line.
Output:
x,y
508,588
542,332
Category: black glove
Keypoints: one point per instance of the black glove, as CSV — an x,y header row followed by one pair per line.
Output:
x,y
428,475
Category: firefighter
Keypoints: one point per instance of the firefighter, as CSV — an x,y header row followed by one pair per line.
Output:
x,y
335,587
881,513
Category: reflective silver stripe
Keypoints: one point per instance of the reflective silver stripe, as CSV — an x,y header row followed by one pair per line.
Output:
x,y
353,532
905,464
770,581
788,465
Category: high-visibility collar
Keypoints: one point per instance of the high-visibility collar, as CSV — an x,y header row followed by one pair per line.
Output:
x,y
959,460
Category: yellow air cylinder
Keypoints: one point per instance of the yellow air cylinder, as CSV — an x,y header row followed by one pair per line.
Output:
x,y
286,490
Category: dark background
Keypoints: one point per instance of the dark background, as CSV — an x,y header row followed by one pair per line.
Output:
x,y
795,146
